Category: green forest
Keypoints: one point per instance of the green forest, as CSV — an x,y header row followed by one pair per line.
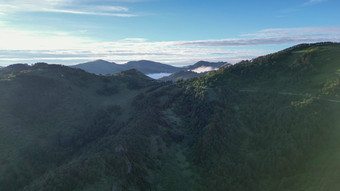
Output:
x,y
266,124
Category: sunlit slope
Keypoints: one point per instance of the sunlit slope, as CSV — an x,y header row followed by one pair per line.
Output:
x,y
305,67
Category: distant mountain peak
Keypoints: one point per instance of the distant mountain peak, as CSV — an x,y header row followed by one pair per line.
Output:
x,y
143,62
147,67
202,62
101,61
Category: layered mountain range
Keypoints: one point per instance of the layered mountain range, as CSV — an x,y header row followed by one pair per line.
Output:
x,y
146,67
271,123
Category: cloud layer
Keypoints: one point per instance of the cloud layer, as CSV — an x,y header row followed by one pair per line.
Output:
x,y
63,6
65,48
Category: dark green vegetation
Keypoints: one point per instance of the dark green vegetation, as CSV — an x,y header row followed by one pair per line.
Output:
x,y
206,64
267,124
182,75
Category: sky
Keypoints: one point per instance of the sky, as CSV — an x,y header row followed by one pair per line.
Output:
x,y
176,32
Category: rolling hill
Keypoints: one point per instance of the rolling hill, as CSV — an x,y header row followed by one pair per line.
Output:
x,y
100,67
213,65
182,75
266,124
144,66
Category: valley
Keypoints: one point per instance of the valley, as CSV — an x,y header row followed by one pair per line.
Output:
x,y
270,123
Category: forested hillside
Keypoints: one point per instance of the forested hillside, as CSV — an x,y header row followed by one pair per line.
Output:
x,y
275,124
266,124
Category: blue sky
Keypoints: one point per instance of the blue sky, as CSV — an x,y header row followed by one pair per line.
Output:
x,y
177,32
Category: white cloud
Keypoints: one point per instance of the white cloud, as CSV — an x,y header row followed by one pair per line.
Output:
x,y
283,32
66,48
203,69
275,37
112,8
62,6
35,40
87,12
134,40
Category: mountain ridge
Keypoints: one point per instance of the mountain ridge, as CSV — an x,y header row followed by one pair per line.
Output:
x,y
145,66
206,63
264,124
